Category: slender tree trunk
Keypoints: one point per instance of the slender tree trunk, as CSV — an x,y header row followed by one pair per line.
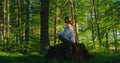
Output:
x,y
18,23
22,29
92,22
44,14
96,21
55,23
4,25
1,21
115,37
107,33
107,45
27,23
73,6
17,34
76,23
72,11
7,24
116,41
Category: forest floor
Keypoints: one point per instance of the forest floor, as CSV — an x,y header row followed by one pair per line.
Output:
x,y
98,57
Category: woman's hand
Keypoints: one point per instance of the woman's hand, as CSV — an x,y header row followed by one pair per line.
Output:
x,y
58,33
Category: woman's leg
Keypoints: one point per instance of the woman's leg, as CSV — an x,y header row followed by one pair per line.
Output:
x,y
63,39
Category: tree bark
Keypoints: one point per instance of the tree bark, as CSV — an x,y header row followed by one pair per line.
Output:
x,y
74,21
1,21
18,34
71,51
55,29
27,23
55,22
92,23
4,25
44,14
115,37
96,21
7,24
107,45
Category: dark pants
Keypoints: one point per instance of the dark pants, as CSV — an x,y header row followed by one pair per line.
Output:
x,y
64,40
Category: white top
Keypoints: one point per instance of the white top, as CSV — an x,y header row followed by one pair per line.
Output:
x,y
68,33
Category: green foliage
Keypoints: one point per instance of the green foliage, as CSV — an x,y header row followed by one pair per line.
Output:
x,y
102,55
108,15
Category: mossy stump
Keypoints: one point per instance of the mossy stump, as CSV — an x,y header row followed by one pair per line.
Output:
x,y
72,51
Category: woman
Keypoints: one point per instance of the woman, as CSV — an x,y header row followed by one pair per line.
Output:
x,y
68,35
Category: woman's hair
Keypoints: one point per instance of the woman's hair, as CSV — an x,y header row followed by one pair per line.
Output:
x,y
68,20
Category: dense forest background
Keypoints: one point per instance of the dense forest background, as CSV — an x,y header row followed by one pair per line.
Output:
x,y
30,26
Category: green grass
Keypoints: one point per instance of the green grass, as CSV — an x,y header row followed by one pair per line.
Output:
x,y
104,57
98,57
19,58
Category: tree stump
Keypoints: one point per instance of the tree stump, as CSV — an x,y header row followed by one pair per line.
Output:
x,y
71,51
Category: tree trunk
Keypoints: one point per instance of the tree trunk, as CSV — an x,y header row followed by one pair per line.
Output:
x,y
107,45
27,23
72,11
96,21
22,12
71,51
73,6
7,24
44,13
18,23
1,22
55,29
115,37
116,41
92,23
76,23
55,22
4,25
